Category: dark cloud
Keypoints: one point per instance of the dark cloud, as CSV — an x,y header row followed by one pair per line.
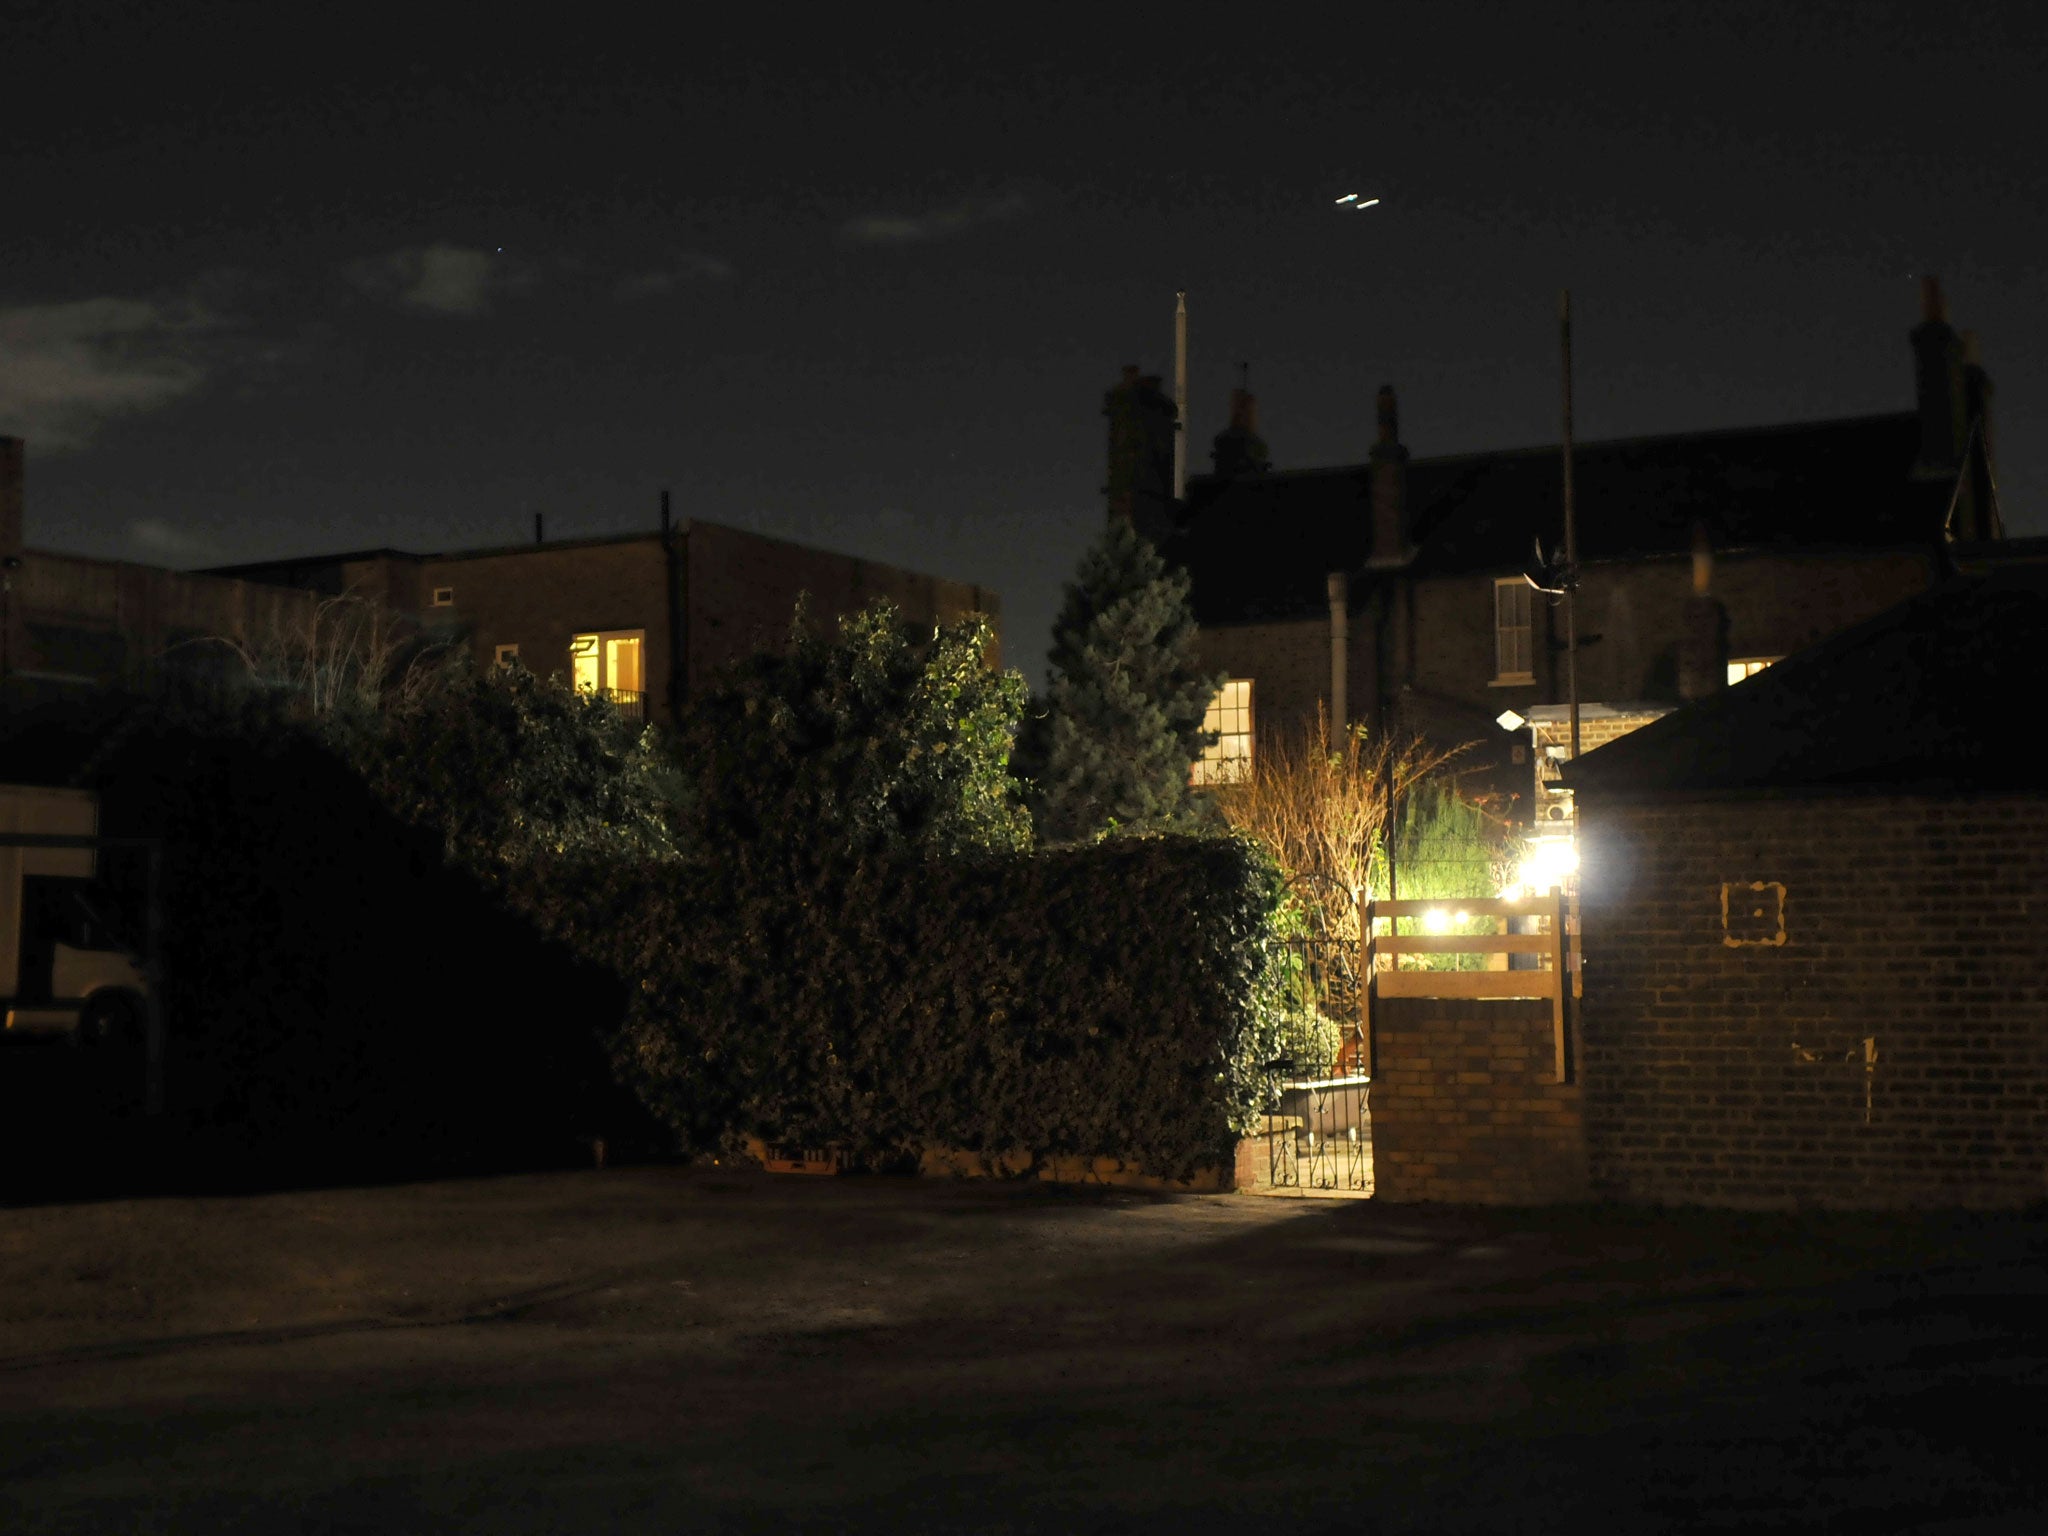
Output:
x,y
68,368
443,279
933,224
691,267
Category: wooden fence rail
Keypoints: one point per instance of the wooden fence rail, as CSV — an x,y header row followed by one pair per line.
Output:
x,y
1552,946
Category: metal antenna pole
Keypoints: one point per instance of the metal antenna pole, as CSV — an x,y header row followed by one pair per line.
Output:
x,y
1571,529
1180,397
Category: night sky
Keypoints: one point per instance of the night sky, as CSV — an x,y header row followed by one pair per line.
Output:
x,y
272,285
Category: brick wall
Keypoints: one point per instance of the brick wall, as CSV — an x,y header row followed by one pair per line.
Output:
x,y
108,620
1288,663
539,596
743,589
11,627
1876,1034
1439,638
1777,603
11,472
1464,1106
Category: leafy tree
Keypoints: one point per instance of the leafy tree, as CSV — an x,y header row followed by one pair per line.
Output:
x,y
886,735
1122,726
510,767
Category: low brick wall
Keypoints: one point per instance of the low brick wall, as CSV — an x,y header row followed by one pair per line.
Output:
x,y
1464,1106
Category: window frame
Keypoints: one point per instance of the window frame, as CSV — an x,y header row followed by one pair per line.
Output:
x,y
504,655
1217,765
606,682
441,597
1503,676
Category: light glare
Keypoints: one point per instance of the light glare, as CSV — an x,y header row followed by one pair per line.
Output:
x,y
1549,861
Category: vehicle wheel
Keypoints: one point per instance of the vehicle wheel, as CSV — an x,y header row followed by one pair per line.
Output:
x,y
111,1019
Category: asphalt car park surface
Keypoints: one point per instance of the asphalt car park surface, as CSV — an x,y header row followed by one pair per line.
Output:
x,y
709,1348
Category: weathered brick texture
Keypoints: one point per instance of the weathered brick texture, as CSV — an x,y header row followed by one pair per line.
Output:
x,y
1465,1108
1891,1051
1429,640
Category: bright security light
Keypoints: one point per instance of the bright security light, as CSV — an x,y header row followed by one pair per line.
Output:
x,y
1508,720
1348,197
1436,920
1549,862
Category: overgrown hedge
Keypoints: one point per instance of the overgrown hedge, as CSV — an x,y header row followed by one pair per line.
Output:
x,y
1112,1000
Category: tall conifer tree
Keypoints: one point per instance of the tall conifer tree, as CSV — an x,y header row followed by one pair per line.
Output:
x,y
1121,723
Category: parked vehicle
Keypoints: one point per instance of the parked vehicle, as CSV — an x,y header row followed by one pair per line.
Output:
x,y
66,969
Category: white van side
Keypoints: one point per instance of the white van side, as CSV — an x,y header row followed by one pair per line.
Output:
x,y
91,988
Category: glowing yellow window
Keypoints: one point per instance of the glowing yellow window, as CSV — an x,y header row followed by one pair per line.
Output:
x,y
611,663
1229,759
1748,667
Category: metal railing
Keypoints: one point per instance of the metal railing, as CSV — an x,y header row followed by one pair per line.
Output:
x,y
1319,1138
1553,949
629,702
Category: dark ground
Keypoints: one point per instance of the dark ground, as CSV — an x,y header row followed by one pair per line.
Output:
x,y
662,1349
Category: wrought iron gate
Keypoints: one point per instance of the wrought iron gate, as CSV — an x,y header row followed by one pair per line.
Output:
x,y
1319,1138
1318,1127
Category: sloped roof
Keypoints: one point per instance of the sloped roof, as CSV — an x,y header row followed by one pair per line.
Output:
x,y
1936,693
1261,546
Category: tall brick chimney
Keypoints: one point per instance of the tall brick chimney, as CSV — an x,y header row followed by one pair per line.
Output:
x,y
1238,449
1389,474
10,495
1982,488
1938,387
11,465
1141,437
1703,636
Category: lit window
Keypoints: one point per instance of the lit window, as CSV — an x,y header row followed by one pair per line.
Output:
x,y
1748,667
505,655
611,663
444,597
1229,760
1512,650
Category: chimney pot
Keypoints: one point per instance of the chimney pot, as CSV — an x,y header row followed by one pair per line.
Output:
x,y
1389,485
1933,303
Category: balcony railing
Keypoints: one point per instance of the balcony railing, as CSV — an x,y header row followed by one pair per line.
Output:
x,y
629,702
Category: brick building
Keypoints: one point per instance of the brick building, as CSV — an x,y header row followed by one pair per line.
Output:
x,y
70,621
646,618
1815,965
1393,592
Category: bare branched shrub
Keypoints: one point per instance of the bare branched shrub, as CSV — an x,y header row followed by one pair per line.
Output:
x,y
1320,808
334,655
